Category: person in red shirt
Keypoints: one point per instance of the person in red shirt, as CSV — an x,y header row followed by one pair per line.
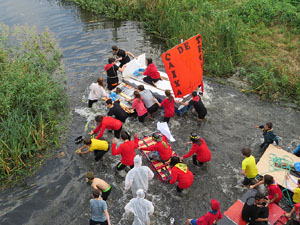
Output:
x,y
211,217
139,106
181,173
161,146
126,150
151,73
109,123
199,147
275,193
169,106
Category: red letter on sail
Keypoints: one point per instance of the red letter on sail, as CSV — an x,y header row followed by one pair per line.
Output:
x,y
184,66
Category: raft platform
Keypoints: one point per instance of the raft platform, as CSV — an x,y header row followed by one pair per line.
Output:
x,y
162,170
233,215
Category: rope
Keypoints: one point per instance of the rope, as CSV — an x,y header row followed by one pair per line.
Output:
x,y
285,163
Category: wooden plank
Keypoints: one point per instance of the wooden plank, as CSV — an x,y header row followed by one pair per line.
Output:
x,y
265,166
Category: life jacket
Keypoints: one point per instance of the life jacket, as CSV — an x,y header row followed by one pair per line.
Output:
x,y
182,167
196,99
108,66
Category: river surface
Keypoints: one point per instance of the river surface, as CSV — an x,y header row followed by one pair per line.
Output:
x,y
57,193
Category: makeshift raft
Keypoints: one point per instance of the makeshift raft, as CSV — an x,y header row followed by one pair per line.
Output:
x,y
278,163
162,170
234,214
131,77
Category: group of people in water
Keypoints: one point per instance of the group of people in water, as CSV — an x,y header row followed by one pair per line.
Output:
x,y
145,104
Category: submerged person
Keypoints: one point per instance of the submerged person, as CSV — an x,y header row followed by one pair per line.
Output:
x,y
275,193
254,210
116,110
138,177
99,147
151,73
162,148
112,73
148,100
198,105
96,92
249,169
141,208
199,147
211,217
123,56
100,213
107,122
139,106
169,106
126,150
97,183
181,173
269,136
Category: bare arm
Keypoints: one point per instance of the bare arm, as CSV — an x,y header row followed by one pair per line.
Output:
x,y
121,69
107,216
79,151
129,53
157,102
244,172
257,184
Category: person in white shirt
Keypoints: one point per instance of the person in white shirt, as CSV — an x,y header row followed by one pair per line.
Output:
x,y
96,92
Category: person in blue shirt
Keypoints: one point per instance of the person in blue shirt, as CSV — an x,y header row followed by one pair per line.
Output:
x,y
269,136
100,214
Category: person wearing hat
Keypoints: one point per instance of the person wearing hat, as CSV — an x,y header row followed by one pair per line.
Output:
x,y
199,148
99,147
161,150
98,184
181,173
211,217
254,210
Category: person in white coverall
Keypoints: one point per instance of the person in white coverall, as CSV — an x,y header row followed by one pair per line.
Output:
x,y
138,177
141,208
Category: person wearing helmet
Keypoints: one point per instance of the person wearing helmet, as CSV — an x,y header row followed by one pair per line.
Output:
x,y
199,148
162,148
181,173
211,217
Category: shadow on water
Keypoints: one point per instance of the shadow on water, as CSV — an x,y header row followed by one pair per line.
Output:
x,y
57,194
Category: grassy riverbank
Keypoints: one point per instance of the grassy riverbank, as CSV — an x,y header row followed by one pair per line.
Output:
x,y
258,38
32,104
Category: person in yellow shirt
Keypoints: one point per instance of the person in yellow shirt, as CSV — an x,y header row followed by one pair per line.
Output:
x,y
249,169
99,147
296,196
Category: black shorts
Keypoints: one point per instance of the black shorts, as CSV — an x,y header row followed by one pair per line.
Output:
x,y
99,154
166,119
105,195
92,222
91,102
248,181
153,108
201,115
118,132
121,166
142,118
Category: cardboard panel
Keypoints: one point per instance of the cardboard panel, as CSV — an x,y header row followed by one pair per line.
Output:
x,y
265,164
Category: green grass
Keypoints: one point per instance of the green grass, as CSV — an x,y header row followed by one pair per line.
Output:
x,y
262,36
32,104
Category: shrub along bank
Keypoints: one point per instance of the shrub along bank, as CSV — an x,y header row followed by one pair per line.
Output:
x,y
258,37
32,104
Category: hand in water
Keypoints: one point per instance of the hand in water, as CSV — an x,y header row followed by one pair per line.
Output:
x,y
251,186
256,126
91,132
189,142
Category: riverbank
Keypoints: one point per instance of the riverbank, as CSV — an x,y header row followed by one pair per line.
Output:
x,y
32,103
259,40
